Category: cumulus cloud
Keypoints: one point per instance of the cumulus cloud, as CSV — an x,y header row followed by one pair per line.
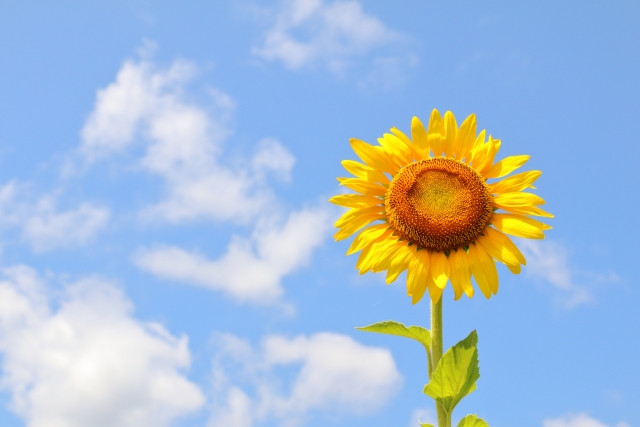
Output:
x,y
43,225
182,142
307,32
579,420
88,362
336,375
548,263
252,268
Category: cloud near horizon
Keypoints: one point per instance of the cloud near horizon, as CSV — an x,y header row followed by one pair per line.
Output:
x,y
88,362
336,374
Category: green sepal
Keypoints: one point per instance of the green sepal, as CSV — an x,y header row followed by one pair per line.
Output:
x,y
390,327
456,374
472,421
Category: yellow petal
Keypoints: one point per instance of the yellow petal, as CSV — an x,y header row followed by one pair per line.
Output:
x,y
373,157
364,187
519,225
381,260
417,276
384,262
440,270
489,267
355,200
517,200
466,137
356,224
436,133
419,134
378,253
451,129
435,292
493,146
368,236
527,210
509,253
415,151
478,272
399,263
506,166
499,251
479,142
354,213
460,274
517,182
365,172
399,149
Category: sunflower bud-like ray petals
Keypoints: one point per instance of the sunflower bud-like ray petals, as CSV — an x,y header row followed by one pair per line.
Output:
x,y
356,224
466,137
451,129
440,269
506,166
353,214
364,187
373,157
365,172
515,183
519,225
415,151
488,265
460,274
417,276
479,272
398,149
381,251
419,134
508,200
436,133
399,264
355,200
527,210
366,237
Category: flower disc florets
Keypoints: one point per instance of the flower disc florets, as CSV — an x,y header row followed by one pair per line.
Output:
x,y
438,204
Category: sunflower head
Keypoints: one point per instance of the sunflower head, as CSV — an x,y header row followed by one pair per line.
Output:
x,y
423,204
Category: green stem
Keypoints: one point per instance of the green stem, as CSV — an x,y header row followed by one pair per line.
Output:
x,y
436,353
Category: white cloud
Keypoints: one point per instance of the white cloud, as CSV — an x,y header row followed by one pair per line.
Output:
x,y
43,226
182,143
548,261
579,420
252,269
336,375
88,362
334,32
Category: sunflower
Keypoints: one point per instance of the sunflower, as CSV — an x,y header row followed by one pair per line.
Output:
x,y
423,204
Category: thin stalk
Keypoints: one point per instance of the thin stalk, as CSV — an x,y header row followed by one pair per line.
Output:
x,y
436,353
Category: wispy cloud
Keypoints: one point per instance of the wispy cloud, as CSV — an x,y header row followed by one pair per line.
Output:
x,y
42,225
332,34
548,262
577,420
336,375
182,143
88,362
252,268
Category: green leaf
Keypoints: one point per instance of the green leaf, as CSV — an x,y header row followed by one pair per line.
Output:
x,y
472,421
426,425
390,327
456,374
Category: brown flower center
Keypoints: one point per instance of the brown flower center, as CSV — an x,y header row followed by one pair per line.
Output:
x,y
438,204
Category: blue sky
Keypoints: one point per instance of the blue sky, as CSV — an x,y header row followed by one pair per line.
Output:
x,y
166,250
